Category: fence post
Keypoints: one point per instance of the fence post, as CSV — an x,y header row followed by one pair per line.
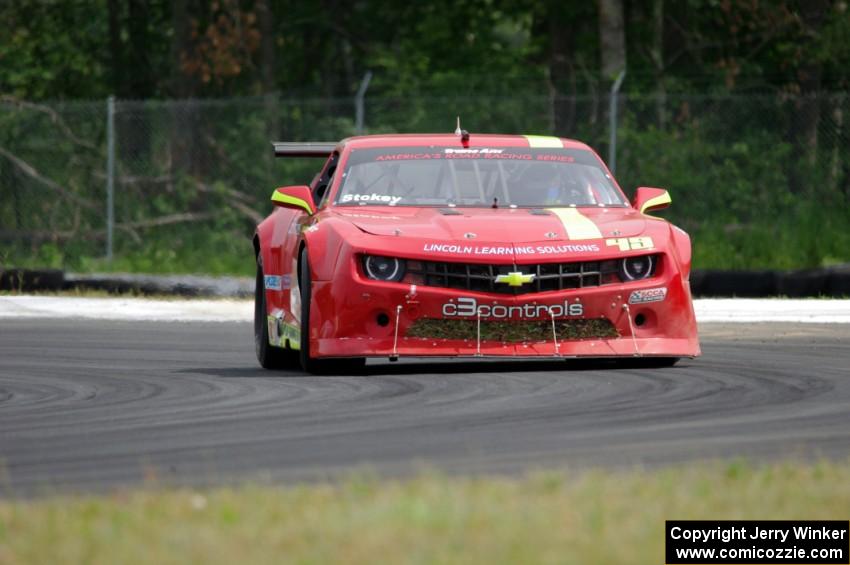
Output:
x,y
110,174
359,103
612,112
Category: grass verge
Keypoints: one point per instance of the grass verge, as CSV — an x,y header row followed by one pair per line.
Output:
x,y
553,517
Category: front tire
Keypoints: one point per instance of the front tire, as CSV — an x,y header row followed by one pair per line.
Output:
x,y
660,362
312,364
648,362
269,356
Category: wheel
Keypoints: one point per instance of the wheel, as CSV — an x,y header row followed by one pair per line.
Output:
x,y
660,362
648,362
269,356
311,364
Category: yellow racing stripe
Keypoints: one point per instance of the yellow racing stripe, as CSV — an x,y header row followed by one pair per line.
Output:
x,y
578,225
544,141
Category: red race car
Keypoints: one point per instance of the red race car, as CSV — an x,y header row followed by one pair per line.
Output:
x,y
467,246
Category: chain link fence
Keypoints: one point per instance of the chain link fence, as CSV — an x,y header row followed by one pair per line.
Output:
x,y
192,177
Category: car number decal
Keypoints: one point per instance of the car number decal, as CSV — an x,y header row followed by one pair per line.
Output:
x,y
631,243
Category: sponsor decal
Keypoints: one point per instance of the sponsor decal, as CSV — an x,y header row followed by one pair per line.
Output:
x,y
408,157
450,248
650,295
482,151
469,307
274,338
384,198
292,334
285,282
367,216
295,293
273,282
467,249
556,158
461,154
631,243
558,249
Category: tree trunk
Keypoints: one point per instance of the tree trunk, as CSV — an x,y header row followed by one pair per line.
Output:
x,y
116,61
837,103
141,81
561,73
185,121
657,55
612,49
805,118
265,19
132,123
182,84
612,39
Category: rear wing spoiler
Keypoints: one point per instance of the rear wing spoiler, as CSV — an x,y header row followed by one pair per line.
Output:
x,y
308,149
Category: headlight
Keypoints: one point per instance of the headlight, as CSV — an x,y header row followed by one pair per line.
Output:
x,y
637,268
383,268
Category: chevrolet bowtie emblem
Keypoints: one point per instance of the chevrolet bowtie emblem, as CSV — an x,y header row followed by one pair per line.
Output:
x,y
515,279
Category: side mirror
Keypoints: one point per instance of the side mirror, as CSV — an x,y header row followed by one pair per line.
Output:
x,y
294,197
647,198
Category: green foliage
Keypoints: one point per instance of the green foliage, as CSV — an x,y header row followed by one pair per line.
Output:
x,y
724,159
711,174
214,248
756,178
810,235
53,49
729,182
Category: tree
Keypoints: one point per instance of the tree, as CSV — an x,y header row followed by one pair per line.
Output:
x,y
656,55
806,117
612,44
612,39
53,50
568,27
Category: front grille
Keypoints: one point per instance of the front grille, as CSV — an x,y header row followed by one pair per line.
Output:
x,y
482,278
512,331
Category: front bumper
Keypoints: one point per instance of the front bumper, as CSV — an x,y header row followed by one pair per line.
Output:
x,y
354,317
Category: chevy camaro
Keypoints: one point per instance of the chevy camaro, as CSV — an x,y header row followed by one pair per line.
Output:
x,y
467,246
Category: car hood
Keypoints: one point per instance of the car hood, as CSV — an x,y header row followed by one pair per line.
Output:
x,y
487,225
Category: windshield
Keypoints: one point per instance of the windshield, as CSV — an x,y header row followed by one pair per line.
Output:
x,y
479,177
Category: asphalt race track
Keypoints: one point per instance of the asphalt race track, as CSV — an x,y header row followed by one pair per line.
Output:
x,y
94,405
